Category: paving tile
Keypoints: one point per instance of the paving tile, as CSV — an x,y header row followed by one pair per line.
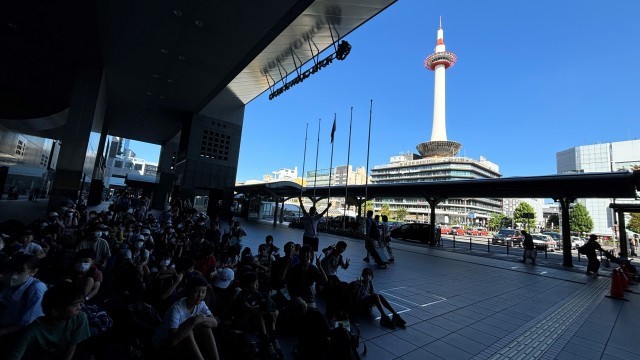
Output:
x,y
415,337
446,323
479,336
622,353
394,344
375,352
489,329
463,343
447,351
420,354
430,329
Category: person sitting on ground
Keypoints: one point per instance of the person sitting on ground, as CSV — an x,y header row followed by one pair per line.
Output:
x,y
366,297
253,313
301,277
186,330
56,334
161,291
139,256
29,247
236,232
85,275
333,260
98,245
271,248
280,268
20,301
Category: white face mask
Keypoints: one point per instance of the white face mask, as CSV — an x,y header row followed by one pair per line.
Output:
x,y
17,280
165,263
98,233
82,267
105,233
139,244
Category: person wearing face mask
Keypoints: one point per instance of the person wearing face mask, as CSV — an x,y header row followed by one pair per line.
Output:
x,y
29,247
85,275
162,289
100,246
20,301
139,256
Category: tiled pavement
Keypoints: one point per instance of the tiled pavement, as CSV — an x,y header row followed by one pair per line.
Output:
x,y
461,306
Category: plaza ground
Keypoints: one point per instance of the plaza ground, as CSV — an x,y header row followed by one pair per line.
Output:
x,y
462,304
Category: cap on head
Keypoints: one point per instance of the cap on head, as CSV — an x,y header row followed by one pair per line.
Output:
x,y
224,277
53,214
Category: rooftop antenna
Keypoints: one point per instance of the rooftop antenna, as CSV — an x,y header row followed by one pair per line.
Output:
x,y
440,22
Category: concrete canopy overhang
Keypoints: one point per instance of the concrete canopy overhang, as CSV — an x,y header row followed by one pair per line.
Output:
x,y
571,186
163,61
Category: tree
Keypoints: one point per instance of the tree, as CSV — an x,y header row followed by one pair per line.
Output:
x,y
579,219
553,222
506,222
401,213
385,210
634,223
525,215
495,222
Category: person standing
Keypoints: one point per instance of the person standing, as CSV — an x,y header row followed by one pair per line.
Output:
x,y
311,220
633,242
529,249
386,237
589,250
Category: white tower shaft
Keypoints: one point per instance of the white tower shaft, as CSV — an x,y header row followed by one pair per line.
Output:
x,y
439,128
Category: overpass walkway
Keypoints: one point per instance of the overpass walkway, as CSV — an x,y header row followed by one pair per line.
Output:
x,y
461,306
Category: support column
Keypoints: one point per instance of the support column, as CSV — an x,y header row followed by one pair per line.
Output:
x,y
565,203
433,202
623,234
86,112
96,188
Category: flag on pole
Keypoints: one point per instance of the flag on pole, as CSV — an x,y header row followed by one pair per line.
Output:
x,y
333,129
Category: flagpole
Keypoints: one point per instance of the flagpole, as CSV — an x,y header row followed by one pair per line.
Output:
x,y
333,130
304,158
346,185
366,183
315,174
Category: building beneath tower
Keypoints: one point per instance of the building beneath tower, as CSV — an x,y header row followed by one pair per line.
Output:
x,y
412,168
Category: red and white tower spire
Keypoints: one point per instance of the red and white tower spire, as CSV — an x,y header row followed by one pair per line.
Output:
x,y
439,62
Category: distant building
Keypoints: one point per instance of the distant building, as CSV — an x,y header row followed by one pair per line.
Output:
x,y
29,162
509,207
283,174
122,161
341,175
606,157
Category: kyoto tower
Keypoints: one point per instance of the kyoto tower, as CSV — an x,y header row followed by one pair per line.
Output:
x,y
439,62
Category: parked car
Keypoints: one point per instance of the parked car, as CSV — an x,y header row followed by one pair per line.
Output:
x,y
337,221
555,236
576,242
456,230
541,241
414,231
508,237
291,216
395,224
477,231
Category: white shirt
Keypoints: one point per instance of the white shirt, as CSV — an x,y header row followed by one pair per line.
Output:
x,y
176,315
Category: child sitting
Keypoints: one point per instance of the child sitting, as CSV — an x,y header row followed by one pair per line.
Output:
x,y
56,334
366,297
186,328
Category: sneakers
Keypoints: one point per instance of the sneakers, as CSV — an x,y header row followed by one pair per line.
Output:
x,y
392,260
383,266
386,322
366,259
398,320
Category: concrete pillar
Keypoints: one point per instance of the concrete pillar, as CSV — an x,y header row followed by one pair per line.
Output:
x,y
96,189
623,234
567,259
166,175
75,163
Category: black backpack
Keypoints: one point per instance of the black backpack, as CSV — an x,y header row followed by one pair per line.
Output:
x,y
345,343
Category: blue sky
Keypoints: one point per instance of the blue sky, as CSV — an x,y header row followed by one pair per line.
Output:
x,y
532,79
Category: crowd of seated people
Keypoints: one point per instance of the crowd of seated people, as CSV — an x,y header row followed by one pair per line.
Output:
x,y
130,285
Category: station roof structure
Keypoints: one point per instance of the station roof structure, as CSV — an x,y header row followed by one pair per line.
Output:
x,y
163,61
570,186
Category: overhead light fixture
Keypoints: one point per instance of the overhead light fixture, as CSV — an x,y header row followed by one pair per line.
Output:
x,y
177,12
199,23
164,51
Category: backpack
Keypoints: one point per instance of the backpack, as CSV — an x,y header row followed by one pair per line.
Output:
x,y
374,232
345,343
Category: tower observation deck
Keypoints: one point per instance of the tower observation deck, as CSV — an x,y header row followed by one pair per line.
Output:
x,y
438,62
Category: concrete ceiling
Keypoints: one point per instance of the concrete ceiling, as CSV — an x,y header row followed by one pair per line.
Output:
x,y
163,60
